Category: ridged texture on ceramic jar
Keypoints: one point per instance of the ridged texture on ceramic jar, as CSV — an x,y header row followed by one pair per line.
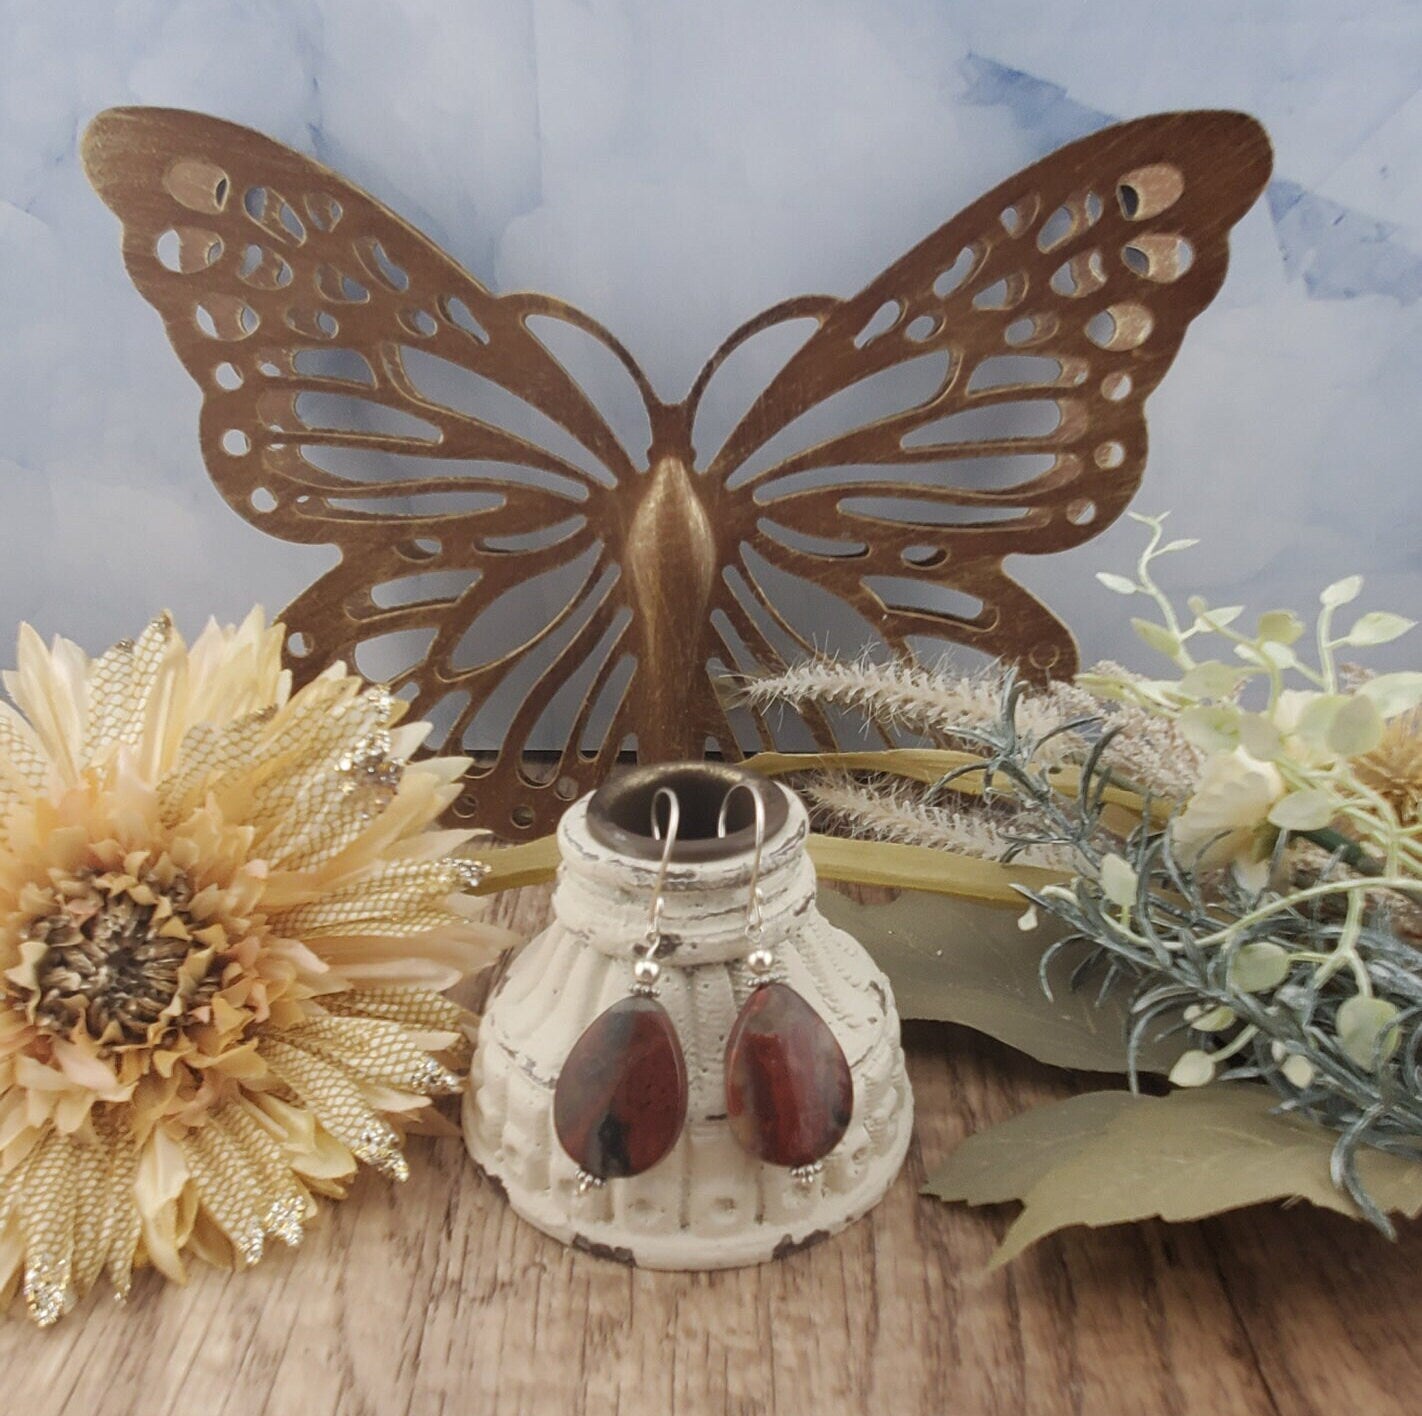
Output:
x,y
708,1204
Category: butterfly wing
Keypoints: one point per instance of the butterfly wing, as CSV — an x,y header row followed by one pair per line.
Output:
x,y
360,389
1040,319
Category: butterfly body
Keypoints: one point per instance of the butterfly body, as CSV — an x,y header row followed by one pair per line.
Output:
x,y
553,597
671,560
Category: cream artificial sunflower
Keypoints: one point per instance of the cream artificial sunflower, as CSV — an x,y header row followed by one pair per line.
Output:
x,y
225,923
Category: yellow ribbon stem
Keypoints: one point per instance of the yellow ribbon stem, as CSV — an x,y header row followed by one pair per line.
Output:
x,y
902,867
885,863
511,867
858,862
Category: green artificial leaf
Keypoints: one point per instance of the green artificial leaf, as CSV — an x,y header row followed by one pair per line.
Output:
x,y
954,961
1317,718
1342,591
1361,1025
1005,1162
1192,1069
1392,694
1114,1157
1258,966
1210,1019
1104,687
1212,727
1119,583
1280,655
1221,617
1211,679
1259,737
1356,727
1377,627
1280,627
1308,810
1118,879
1157,636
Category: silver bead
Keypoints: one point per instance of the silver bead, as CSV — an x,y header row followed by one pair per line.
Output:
x,y
760,960
646,971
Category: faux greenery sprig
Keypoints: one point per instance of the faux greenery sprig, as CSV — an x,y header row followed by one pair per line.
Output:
x,y
1284,734
1267,907
1323,1004
1274,985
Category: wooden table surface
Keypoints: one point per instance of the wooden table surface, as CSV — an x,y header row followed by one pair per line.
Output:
x,y
432,1297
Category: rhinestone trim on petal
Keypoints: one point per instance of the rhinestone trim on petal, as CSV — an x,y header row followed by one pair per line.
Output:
x,y
379,1145
47,1292
284,1221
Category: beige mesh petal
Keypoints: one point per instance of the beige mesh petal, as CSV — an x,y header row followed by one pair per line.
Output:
x,y
23,766
94,1216
416,1006
210,750
306,742
47,1209
338,1104
328,817
230,1188
374,1051
288,1204
387,896
127,1225
120,684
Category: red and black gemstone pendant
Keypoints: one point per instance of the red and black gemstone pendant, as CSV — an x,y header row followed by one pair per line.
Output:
x,y
620,1101
789,1092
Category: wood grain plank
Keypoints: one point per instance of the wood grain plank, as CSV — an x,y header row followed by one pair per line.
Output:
x,y
433,1297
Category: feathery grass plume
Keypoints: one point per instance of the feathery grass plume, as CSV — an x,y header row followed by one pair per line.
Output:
x,y
885,809
1146,750
936,703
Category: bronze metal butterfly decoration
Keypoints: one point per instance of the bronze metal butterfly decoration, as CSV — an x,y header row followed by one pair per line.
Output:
x,y
362,390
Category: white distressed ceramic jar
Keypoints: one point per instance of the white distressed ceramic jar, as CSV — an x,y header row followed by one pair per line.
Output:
x,y
708,1203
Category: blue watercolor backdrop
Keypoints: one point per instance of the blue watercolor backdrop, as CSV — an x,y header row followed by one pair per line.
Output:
x,y
673,169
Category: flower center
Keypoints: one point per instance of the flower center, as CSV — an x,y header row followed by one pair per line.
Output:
x,y
120,960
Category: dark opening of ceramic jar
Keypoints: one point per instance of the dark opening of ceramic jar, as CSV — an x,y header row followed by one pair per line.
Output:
x,y
620,812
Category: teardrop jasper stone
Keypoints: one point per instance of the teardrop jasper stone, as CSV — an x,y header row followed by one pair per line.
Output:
x,y
789,1093
621,1097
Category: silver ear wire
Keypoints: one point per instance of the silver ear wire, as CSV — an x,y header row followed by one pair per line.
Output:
x,y
760,959
647,970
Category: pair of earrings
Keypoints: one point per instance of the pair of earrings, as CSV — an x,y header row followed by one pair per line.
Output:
x,y
621,1097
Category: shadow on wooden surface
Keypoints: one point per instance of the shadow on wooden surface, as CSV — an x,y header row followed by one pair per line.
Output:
x,y
432,1297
